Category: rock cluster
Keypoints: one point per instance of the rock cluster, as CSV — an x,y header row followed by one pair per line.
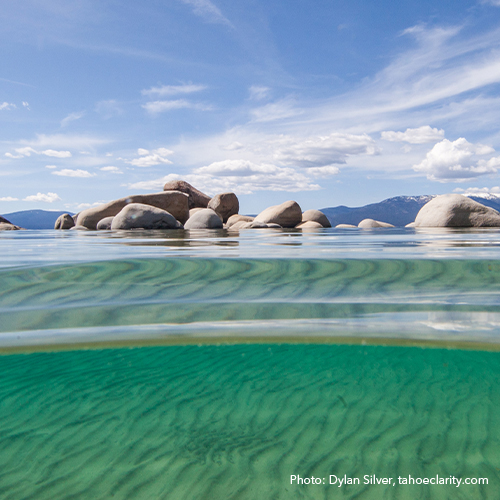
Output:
x,y
182,206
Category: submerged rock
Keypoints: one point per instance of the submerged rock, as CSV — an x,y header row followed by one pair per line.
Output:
x,y
140,216
204,219
456,210
288,214
346,226
370,224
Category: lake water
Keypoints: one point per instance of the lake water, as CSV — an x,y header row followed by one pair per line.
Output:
x,y
215,365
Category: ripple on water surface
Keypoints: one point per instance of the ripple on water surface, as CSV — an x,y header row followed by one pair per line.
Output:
x,y
236,421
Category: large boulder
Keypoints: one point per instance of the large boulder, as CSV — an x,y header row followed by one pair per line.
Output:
x,y
456,210
141,216
196,197
64,221
345,226
224,205
288,214
316,216
173,202
370,224
204,219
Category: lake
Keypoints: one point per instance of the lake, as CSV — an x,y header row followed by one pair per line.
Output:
x,y
269,364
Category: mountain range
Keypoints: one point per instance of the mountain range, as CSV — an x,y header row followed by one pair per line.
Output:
x,y
34,219
398,211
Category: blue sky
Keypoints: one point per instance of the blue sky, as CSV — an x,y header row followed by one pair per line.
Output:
x,y
326,102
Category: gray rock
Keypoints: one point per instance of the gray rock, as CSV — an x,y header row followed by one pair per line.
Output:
x,y
204,219
196,197
411,224
238,218
173,202
105,223
79,228
309,224
224,205
7,226
192,211
288,214
456,210
141,216
64,221
370,224
316,216
346,226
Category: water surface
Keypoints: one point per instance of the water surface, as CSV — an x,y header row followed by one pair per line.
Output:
x,y
216,365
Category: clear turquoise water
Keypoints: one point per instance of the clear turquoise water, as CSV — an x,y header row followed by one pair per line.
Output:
x,y
170,366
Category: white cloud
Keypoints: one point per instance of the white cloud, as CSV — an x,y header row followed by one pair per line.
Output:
x,y
109,108
46,198
55,154
66,141
327,171
9,198
258,93
24,152
208,11
7,106
419,135
480,192
495,3
238,168
67,172
114,170
280,110
234,146
83,206
28,151
148,159
240,177
155,107
26,105
71,118
458,161
50,166
321,151
166,90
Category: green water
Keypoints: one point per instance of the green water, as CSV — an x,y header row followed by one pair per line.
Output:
x,y
198,367
235,422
